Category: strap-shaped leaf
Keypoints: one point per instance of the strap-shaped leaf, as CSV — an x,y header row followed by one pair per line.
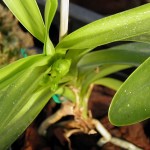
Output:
x,y
129,55
11,71
132,54
22,95
25,114
145,38
75,56
113,28
78,53
12,96
50,10
13,130
95,74
27,12
109,82
131,104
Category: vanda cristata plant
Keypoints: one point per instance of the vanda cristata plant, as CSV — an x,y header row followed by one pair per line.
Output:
x,y
69,69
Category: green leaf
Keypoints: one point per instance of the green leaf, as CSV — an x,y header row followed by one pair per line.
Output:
x,y
99,73
24,116
67,93
120,26
48,46
109,82
131,103
27,12
11,71
75,56
145,38
22,95
78,53
129,54
16,93
50,10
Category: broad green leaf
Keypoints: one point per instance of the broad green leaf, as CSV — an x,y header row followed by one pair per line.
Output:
x,y
11,71
24,116
15,94
145,38
109,82
131,103
23,93
27,12
131,54
120,26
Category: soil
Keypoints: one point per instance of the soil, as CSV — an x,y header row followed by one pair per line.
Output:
x,y
138,134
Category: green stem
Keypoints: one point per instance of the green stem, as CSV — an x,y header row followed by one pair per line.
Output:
x,y
48,47
85,100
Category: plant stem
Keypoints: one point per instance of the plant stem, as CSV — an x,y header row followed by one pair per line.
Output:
x,y
84,102
64,13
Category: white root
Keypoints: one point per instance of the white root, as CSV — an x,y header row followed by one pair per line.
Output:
x,y
67,108
107,137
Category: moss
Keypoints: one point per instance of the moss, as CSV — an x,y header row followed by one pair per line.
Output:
x,y
12,38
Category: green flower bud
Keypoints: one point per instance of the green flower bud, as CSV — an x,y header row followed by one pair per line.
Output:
x,y
60,67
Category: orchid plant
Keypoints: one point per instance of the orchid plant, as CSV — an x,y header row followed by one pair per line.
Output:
x,y
71,68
